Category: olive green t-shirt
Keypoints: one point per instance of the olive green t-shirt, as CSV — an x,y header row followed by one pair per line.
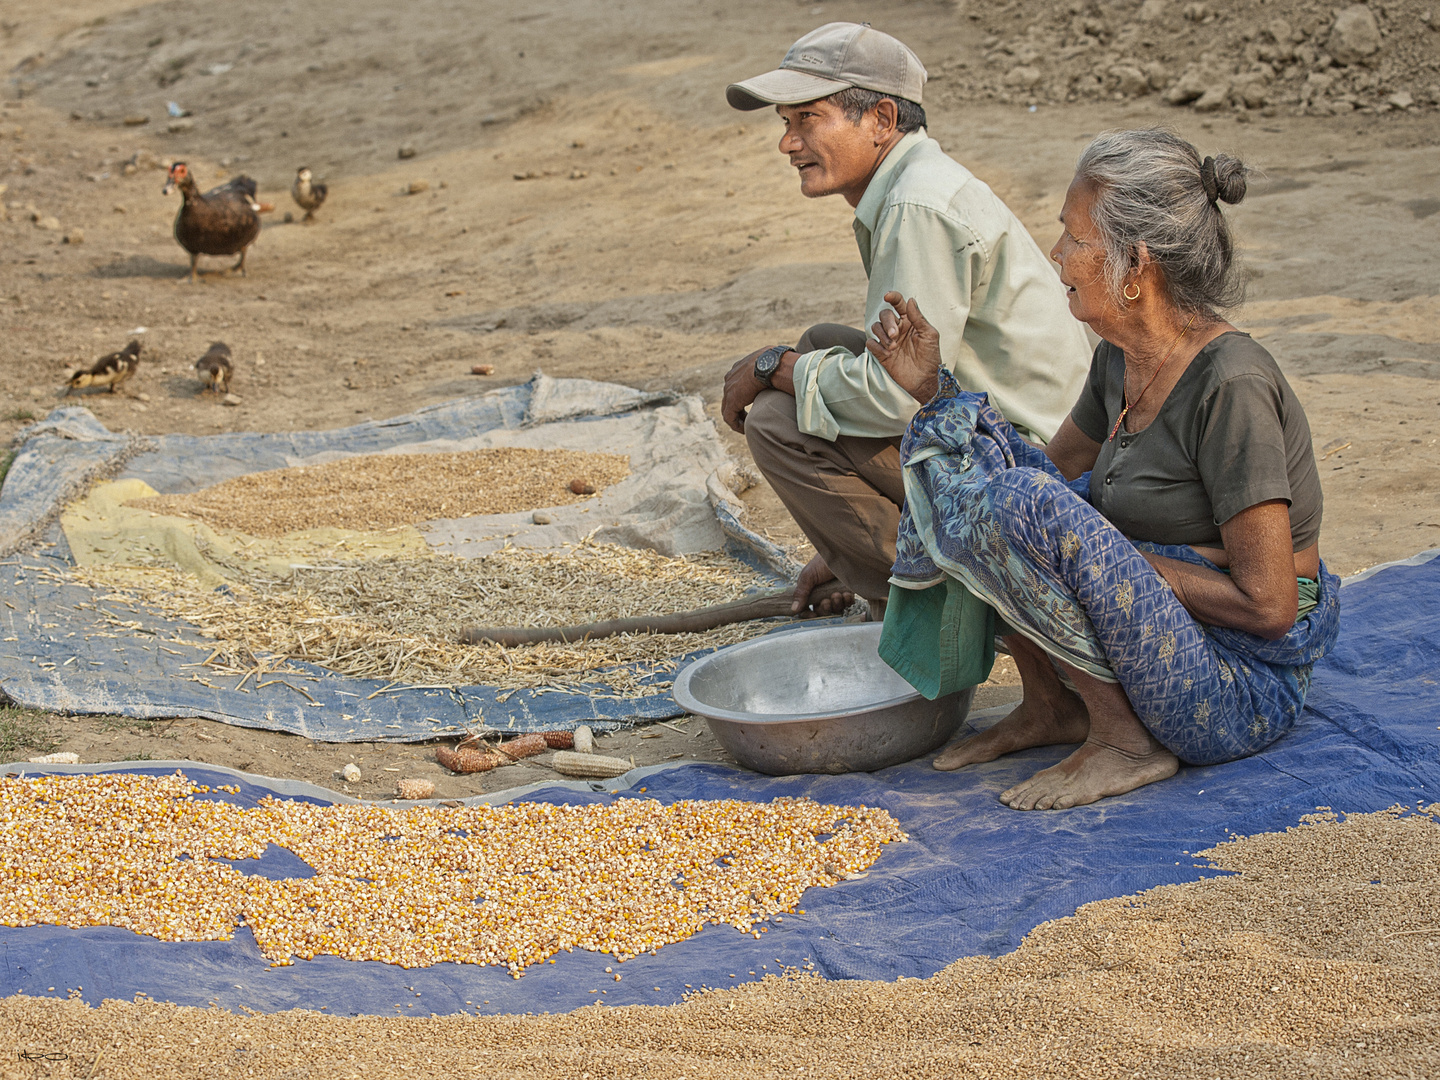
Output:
x,y
1231,434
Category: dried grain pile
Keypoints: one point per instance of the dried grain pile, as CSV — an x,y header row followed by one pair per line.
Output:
x,y
508,885
399,618
382,491
1318,958
1205,54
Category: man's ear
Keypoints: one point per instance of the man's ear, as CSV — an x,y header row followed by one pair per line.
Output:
x,y
887,119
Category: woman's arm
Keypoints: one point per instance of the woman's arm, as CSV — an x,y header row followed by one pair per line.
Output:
x,y
1259,594
1072,450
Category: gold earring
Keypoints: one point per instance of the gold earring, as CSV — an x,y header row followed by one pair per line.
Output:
x,y
1133,285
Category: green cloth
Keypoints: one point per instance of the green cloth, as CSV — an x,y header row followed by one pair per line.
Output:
x,y
941,639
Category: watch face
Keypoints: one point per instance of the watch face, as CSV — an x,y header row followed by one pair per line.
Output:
x,y
768,362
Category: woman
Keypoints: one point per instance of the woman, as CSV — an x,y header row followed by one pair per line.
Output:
x,y
1171,605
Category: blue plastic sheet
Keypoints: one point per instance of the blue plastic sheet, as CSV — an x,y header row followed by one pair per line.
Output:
x,y
59,654
975,878
59,459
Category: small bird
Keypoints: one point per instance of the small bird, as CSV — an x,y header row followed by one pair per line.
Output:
x,y
215,368
223,221
108,371
308,194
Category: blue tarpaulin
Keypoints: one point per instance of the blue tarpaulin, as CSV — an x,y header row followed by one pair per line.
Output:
x,y
60,653
974,879
51,658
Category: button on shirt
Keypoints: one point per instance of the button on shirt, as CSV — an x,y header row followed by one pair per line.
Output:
x,y
927,228
1229,435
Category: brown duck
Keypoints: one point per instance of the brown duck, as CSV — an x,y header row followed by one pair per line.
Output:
x,y
307,193
223,221
108,371
215,368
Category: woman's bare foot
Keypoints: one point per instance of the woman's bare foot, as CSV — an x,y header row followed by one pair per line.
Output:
x,y
1050,713
1033,723
1118,755
1093,772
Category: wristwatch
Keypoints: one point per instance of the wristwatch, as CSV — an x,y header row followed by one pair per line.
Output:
x,y
768,362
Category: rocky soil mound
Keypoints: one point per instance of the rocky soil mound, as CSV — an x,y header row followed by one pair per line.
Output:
x,y
1208,55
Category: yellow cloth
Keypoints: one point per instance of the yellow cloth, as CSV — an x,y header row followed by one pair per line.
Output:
x,y
103,531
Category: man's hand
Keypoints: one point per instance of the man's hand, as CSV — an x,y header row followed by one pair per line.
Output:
x,y
815,574
908,347
741,389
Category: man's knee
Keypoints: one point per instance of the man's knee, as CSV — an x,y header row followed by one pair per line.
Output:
x,y
831,335
770,424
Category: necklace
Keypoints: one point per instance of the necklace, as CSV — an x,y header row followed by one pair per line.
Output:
x,y
1125,383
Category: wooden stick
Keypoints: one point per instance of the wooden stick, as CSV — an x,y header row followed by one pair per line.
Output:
x,y
767,605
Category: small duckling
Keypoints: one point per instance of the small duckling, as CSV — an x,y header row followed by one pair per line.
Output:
x,y
108,371
308,194
215,368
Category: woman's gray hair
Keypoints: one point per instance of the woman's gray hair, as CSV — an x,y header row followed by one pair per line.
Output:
x,y
1152,188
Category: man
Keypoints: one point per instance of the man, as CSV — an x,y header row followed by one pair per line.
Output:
x,y
824,418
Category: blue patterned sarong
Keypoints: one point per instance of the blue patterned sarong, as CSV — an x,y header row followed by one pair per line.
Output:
x,y
987,508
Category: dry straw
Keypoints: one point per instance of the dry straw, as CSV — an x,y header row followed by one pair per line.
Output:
x,y
399,618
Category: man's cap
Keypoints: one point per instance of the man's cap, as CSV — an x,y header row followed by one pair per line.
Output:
x,y
835,57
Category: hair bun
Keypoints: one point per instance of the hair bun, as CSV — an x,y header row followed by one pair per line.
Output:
x,y
1227,174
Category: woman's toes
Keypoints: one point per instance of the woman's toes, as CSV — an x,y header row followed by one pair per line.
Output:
x,y
948,761
1017,798
1091,773
1053,795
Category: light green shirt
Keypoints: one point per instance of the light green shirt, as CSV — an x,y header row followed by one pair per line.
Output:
x,y
927,228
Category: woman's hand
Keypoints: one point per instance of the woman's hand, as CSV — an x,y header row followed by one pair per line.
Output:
x,y
908,347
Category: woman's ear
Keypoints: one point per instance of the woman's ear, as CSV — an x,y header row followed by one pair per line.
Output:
x,y
1141,259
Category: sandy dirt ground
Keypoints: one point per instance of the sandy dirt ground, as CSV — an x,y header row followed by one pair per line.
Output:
x,y
586,204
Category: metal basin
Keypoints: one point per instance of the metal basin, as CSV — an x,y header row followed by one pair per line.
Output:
x,y
816,701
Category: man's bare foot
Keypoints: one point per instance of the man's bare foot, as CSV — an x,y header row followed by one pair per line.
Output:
x,y
1036,721
1095,771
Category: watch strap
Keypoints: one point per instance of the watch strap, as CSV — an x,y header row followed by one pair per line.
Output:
x,y
768,362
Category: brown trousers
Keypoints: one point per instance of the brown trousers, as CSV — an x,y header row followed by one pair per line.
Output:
x,y
845,495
